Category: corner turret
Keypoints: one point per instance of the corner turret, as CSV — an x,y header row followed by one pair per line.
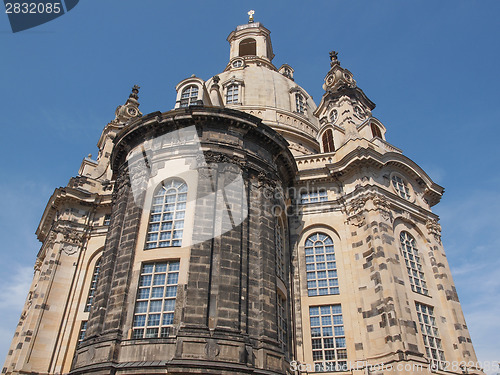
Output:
x,y
345,112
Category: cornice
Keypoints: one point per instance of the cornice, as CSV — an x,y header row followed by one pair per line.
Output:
x,y
369,157
352,92
355,203
70,196
157,124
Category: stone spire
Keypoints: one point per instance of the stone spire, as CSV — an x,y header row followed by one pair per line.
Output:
x,y
338,77
130,109
344,105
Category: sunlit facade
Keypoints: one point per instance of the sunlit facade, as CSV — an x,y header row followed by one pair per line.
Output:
x,y
248,230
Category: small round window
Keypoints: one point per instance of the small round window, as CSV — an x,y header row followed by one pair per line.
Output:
x,y
358,112
401,186
237,64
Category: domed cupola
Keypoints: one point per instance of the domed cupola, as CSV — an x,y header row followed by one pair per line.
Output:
x,y
345,111
250,44
251,83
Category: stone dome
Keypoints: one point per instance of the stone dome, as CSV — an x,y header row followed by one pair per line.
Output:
x,y
271,95
251,83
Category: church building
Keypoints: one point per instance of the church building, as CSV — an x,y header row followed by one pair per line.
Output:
x,y
246,231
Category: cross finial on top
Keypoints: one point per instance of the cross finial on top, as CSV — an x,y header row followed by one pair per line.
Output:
x,y
250,16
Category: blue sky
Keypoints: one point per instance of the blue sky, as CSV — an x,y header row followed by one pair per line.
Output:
x,y
430,66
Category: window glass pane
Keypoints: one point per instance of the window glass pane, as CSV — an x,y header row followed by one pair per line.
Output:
x,y
282,321
317,275
323,331
410,253
299,103
93,285
430,335
169,203
155,305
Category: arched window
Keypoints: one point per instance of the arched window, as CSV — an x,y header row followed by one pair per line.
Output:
x,y
166,222
280,250
248,47
93,285
299,103
328,141
321,266
413,263
232,94
376,131
189,95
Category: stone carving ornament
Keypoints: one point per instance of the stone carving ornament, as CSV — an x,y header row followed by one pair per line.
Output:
x,y
434,229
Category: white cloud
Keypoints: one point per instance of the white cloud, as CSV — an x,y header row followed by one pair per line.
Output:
x,y
13,291
15,288
470,235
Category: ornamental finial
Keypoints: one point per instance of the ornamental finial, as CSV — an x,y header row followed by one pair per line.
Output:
x,y
135,92
250,16
333,58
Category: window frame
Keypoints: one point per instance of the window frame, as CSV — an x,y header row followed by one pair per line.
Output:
x,y
328,337
282,321
316,196
185,102
107,220
429,332
333,113
294,91
300,103
231,89
406,192
167,223
328,142
321,275
414,266
241,90
247,43
83,330
148,291
238,63
376,132
93,285
280,246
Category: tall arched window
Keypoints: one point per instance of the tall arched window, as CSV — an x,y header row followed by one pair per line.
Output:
x,y
189,95
299,103
328,141
166,222
232,94
93,285
321,266
413,263
280,250
248,47
376,131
